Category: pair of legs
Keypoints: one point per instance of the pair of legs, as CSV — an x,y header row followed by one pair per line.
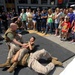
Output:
x,y
34,24
13,48
56,29
19,55
17,58
73,37
30,24
64,36
38,67
24,25
33,61
49,25
43,26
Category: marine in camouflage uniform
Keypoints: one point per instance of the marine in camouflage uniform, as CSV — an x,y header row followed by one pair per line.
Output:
x,y
13,40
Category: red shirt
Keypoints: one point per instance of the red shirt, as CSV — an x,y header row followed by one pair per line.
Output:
x,y
66,26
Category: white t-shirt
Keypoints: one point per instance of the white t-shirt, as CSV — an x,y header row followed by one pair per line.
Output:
x,y
58,18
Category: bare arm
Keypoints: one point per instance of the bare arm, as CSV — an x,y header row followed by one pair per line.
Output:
x,y
16,42
30,45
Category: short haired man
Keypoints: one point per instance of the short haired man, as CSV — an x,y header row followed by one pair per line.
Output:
x,y
14,41
29,46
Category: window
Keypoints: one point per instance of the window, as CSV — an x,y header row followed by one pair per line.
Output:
x,y
52,2
34,1
44,1
9,1
72,1
23,1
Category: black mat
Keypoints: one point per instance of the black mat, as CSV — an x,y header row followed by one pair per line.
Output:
x,y
55,49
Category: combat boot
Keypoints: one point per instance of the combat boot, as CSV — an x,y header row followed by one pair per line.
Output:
x,y
51,58
55,62
54,58
11,69
6,64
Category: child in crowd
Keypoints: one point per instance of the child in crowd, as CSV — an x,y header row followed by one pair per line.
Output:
x,y
65,28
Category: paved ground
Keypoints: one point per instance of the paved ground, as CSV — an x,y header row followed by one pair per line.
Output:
x,y
66,45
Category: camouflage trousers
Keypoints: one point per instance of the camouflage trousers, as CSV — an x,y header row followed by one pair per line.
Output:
x,y
38,67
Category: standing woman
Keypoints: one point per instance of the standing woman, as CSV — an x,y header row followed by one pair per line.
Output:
x,y
57,19
49,21
29,18
23,17
34,17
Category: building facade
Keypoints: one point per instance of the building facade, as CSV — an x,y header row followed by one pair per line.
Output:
x,y
35,4
6,5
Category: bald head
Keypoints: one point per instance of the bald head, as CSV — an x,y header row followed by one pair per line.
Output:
x,y
13,26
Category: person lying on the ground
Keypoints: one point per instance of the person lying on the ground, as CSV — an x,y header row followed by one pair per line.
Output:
x,y
20,53
29,47
31,60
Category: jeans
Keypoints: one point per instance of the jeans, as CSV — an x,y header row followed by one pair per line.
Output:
x,y
24,24
49,25
73,35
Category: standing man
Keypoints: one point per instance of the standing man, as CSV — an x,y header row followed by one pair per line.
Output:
x,y
23,17
43,20
14,41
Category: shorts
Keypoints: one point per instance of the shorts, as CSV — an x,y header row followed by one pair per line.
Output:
x,y
34,21
56,26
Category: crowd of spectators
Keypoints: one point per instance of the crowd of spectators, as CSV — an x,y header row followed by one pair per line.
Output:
x,y
59,22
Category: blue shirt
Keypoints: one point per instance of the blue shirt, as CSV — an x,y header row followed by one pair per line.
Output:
x,y
34,17
72,16
44,19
